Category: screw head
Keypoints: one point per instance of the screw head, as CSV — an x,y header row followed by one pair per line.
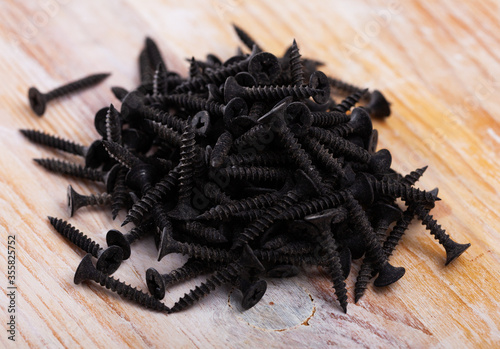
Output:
x,y
361,122
319,81
253,294
264,67
200,122
245,79
378,106
110,260
453,250
381,161
236,107
388,274
156,285
116,238
73,205
37,101
85,270
298,117
96,155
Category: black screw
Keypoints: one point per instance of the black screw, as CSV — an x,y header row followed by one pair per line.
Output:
x,y
38,100
108,260
75,200
87,271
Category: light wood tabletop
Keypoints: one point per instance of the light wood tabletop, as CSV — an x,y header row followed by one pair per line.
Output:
x,y
436,62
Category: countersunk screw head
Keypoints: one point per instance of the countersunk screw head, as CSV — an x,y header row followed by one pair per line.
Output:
x,y
116,238
253,294
378,106
264,67
155,282
389,274
110,260
37,100
319,81
85,270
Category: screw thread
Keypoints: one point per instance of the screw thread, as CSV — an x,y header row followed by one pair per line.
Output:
x,y
155,195
255,173
113,125
274,257
75,86
334,267
296,70
398,190
344,87
269,158
340,146
246,39
139,232
323,156
166,133
296,247
55,142
191,269
349,101
209,234
313,206
432,225
292,146
272,93
202,252
163,117
75,236
121,154
129,292
226,211
342,131
160,84
398,231
68,168
255,138
413,177
226,275
329,119
360,221
119,195
265,221
186,164
364,276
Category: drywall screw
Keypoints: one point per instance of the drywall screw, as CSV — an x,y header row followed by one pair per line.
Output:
x,y
378,106
116,238
252,291
318,88
452,248
199,230
38,101
344,87
155,114
226,275
87,271
383,215
254,173
95,155
40,137
108,260
160,80
75,200
69,168
413,176
225,211
211,254
322,222
387,273
397,190
158,283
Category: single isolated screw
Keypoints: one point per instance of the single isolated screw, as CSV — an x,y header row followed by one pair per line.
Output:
x,y
38,101
76,200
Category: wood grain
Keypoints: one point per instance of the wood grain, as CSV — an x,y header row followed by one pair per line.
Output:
x,y
437,62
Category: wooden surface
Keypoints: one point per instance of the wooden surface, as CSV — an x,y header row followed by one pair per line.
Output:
x,y
437,62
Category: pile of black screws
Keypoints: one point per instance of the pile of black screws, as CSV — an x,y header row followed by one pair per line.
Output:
x,y
250,168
